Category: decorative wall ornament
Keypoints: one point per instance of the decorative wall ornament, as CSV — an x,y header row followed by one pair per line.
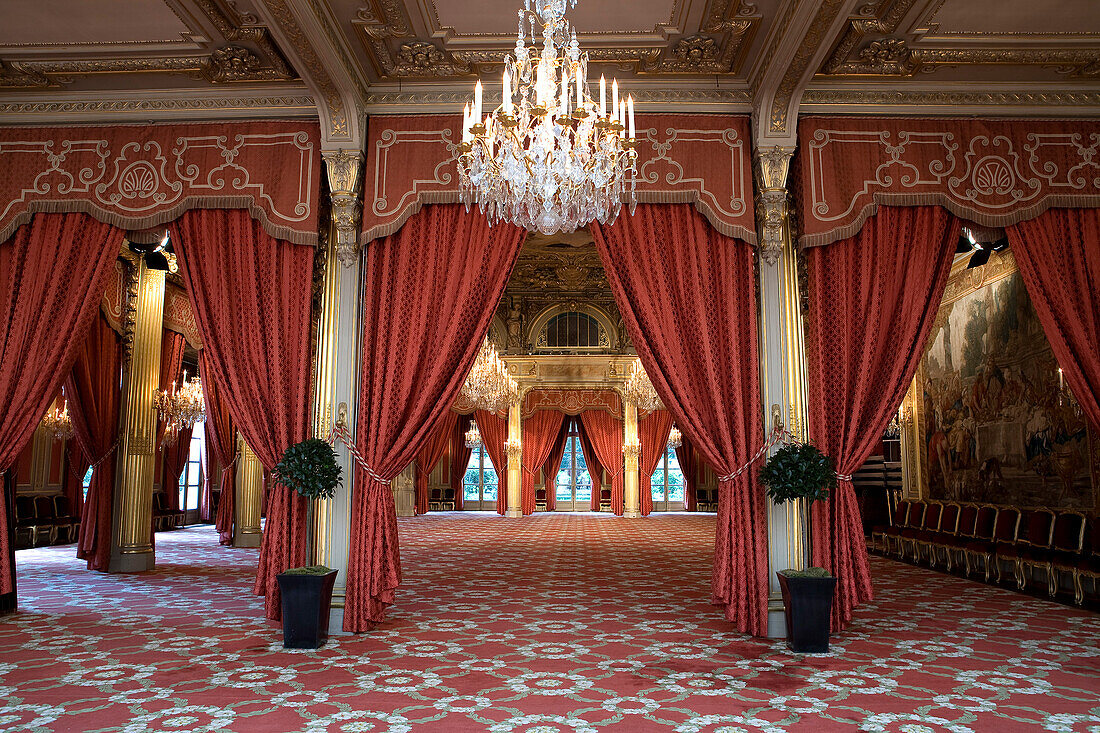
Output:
x,y
344,181
698,159
771,203
993,172
572,401
140,177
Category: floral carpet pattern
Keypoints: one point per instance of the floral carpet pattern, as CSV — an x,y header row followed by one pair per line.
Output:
x,y
568,622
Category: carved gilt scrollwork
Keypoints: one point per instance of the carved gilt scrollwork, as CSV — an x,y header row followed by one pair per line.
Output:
x,y
343,167
771,203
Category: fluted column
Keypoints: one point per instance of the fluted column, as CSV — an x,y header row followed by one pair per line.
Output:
x,y
632,500
131,538
249,493
782,359
514,449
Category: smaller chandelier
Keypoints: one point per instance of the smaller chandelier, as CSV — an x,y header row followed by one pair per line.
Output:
x,y
180,407
639,390
57,422
473,437
488,385
675,440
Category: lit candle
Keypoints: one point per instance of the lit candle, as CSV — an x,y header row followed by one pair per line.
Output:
x,y
615,98
579,81
630,113
603,96
1061,384
507,93
466,123
564,104
540,84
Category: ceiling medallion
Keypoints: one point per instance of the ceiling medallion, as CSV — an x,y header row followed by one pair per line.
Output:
x,y
549,158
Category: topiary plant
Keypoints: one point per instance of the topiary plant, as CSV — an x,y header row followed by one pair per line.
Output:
x,y
800,472
310,469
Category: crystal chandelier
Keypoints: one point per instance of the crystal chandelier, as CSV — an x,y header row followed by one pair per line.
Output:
x,y
488,385
549,157
58,423
473,436
180,407
675,440
639,391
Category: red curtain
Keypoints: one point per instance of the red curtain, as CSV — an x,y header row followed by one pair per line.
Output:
x,y
171,361
494,434
429,294
1058,254
685,456
430,455
251,297
460,457
653,432
687,297
872,301
592,462
95,395
539,433
221,452
76,465
52,275
553,464
606,435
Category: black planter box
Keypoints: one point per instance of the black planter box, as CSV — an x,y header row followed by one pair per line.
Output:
x,y
306,600
807,604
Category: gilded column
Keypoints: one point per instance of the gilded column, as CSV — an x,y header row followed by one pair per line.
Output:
x,y
337,361
782,359
249,493
632,501
514,449
131,540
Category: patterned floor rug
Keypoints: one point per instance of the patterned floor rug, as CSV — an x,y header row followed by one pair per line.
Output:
x,y
568,622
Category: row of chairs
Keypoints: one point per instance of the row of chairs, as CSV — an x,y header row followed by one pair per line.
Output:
x,y
163,517
441,500
44,520
982,538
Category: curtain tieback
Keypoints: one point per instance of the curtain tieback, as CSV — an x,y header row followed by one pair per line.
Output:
x,y
779,434
340,432
844,477
232,462
109,451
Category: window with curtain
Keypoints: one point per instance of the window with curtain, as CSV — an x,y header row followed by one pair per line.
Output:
x,y
192,476
668,484
573,485
479,486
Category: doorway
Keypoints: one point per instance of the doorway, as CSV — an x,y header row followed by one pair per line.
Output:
x,y
479,485
573,484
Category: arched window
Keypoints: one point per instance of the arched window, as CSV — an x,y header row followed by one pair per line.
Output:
x,y
572,330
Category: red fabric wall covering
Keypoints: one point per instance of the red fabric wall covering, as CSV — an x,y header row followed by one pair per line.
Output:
x,y
94,400
250,294
606,436
592,461
423,321
56,264
653,430
460,457
540,431
687,297
872,302
553,464
494,434
431,454
1058,254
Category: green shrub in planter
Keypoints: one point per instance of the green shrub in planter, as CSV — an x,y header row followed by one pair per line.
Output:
x,y
310,469
799,472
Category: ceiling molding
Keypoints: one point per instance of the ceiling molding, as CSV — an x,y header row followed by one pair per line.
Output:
x,y
1005,103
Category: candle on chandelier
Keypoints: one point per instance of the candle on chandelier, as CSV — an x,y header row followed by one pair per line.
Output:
x,y
615,99
477,100
466,123
603,96
1061,378
580,100
630,113
507,93
564,91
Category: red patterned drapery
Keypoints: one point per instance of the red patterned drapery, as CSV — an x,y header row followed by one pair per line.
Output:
x,y
140,176
221,448
993,172
171,457
1058,254
592,461
687,296
539,433
872,301
404,171
606,436
430,455
94,399
424,317
250,293
494,434
56,266
685,456
553,464
460,457
653,430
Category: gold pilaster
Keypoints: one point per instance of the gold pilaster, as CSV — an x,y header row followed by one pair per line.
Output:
x,y
514,448
249,493
131,540
632,500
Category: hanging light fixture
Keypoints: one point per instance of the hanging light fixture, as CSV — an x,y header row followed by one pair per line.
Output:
x,y
639,390
473,436
488,385
549,158
58,423
180,408
675,440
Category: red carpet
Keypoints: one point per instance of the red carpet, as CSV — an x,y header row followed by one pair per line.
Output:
x,y
576,623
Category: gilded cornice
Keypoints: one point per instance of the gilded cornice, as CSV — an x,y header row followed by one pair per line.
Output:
x,y
176,107
781,104
865,100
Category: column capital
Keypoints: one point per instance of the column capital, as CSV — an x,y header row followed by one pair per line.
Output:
x,y
772,166
345,190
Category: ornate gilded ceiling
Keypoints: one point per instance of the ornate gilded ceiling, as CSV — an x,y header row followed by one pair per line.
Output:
x,y
72,60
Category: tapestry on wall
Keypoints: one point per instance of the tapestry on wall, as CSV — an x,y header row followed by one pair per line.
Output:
x,y
997,427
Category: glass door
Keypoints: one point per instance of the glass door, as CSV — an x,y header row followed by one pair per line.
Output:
x,y
573,486
192,478
479,486
668,484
